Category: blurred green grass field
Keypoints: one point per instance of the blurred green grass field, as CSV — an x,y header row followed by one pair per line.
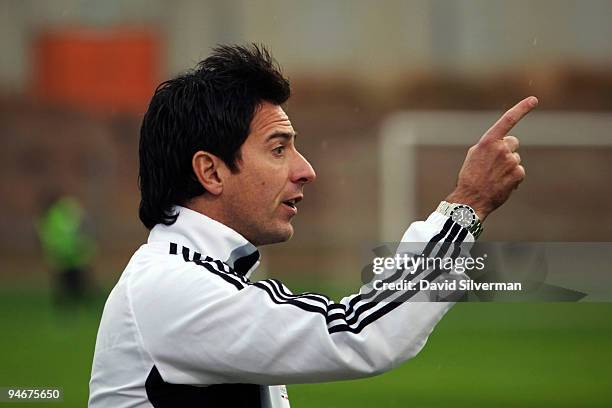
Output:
x,y
480,355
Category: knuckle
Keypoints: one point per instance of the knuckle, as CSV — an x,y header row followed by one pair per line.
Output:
x,y
478,147
510,119
519,173
512,141
500,149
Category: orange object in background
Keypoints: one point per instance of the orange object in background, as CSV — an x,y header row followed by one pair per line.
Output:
x,y
100,70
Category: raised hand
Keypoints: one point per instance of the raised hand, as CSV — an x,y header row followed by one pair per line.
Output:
x,y
492,168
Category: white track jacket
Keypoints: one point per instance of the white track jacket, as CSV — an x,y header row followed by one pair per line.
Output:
x,y
185,326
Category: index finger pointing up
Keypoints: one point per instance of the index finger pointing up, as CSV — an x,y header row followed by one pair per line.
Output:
x,y
509,119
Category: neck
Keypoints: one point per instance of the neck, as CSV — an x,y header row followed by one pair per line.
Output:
x,y
213,208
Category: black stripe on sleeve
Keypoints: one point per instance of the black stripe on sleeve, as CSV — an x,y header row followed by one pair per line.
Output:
x,y
331,311
367,306
380,296
269,288
397,302
436,238
428,248
317,297
185,252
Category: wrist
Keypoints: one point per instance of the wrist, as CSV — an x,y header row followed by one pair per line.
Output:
x,y
462,215
474,200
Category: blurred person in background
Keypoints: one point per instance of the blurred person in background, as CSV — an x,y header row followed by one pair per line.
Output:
x,y
68,247
220,175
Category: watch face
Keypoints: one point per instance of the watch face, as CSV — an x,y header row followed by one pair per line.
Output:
x,y
463,216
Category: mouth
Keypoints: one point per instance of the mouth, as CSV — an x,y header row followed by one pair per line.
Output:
x,y
291,204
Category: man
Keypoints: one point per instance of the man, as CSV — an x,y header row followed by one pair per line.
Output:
x,y
220,175
68,247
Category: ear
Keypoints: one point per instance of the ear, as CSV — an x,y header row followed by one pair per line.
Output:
x,y
209,170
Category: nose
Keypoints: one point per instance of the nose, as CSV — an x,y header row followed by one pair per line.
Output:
x,y
302,173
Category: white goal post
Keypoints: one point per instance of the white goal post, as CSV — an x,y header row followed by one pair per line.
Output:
x,y
402,132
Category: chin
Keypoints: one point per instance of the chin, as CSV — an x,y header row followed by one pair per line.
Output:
x,y
277,236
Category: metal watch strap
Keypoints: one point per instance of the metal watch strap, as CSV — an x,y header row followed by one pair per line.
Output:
x,y
476,228
447,208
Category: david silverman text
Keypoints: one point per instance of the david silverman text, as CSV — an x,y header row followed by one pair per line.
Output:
x,y
447,285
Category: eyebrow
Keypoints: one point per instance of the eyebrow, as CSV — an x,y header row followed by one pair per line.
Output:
x,y
282,135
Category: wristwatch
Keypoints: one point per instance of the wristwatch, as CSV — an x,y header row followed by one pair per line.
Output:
x,y
462,214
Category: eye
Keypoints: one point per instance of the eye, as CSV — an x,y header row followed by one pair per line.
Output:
x,y
278,151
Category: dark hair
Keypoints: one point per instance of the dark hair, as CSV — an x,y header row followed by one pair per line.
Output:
x,y
209,108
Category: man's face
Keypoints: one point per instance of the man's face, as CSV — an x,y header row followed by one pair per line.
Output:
x,y
260,198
